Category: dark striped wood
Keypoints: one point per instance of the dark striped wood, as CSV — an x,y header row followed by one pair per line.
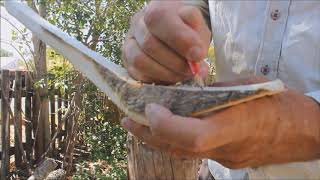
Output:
x,y
5,130
53,119
59,115
17,118
28,119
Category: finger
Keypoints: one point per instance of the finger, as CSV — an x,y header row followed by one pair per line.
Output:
x,y
193,17
185,133
246,81
139,76
133,24
159,51
204,69
192,134
138,61
136,18
145,135
164,23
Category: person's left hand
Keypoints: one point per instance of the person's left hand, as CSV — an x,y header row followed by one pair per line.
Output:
x,y
276,129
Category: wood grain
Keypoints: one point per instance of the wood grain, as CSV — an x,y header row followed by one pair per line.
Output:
x,y
145,162
5,128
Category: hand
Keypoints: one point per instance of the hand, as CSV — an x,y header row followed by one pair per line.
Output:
x,y
276,129
161,38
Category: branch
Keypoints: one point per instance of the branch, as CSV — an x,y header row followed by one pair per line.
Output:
x,y
32,5
20,54
88,35
23,36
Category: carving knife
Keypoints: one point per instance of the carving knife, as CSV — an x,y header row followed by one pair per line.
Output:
x,y
195,69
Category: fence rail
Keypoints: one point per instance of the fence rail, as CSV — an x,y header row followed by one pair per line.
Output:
x,y
18,125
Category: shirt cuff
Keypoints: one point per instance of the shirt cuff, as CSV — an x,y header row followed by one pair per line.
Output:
x,y
315,95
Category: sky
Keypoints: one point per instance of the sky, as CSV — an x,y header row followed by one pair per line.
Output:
x,y
6,30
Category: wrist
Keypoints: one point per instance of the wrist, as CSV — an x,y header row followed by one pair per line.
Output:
x,y
303,111
313,107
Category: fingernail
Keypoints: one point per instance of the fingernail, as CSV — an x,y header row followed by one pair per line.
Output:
x,y
195,54
204,69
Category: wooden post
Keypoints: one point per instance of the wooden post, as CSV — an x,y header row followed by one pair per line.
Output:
x,y
5,137
65,107
17,118
41,101
147,163
59,116
53,118
28,117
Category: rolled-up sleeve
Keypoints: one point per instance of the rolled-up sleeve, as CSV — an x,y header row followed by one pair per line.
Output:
x,y
203,5
315,95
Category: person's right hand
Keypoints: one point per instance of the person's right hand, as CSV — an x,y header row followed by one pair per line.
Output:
x,y
162,38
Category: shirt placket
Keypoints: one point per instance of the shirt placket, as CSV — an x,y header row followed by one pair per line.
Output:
x,y
271,41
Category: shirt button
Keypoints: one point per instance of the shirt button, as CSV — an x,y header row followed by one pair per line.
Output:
x,y
265,70
275,14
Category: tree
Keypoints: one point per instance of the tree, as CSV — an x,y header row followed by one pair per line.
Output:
x,y
41,102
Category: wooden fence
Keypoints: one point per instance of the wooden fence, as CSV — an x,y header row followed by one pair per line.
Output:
x,y
18,126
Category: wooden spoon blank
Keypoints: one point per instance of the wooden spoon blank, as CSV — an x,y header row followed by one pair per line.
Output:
x,y
129,95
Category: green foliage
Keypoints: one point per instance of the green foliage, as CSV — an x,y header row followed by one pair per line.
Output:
x,y
99,129
60,72
108,154
99,170
101,25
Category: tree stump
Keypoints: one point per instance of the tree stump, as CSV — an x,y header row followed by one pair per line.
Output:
x,y
145,162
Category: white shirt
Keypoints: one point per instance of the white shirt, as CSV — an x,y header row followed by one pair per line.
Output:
x,y
275,39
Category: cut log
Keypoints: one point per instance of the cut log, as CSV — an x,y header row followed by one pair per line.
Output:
x,y
129,95
145,162
58,174
44,169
